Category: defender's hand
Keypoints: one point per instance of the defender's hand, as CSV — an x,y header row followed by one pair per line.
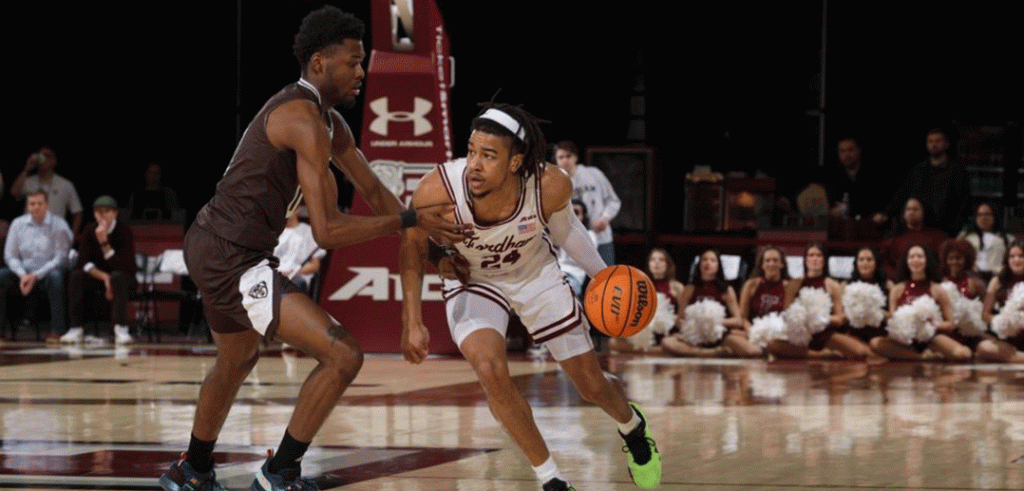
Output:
x,y
431,219
415,342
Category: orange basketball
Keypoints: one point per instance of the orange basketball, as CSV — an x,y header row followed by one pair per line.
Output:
x,y
620,301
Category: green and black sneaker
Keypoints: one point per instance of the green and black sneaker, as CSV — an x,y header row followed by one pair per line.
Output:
x,y
642,453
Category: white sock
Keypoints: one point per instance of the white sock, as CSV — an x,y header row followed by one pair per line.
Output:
x,y
628,426
547,471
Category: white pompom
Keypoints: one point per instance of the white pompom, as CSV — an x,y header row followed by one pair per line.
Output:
x,y
807,315
966,312
1009,322
662,321
915,321
664,317
972,323
795,317
702,322
819,308
864,304
767,328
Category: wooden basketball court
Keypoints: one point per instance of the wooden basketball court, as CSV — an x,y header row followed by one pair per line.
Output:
x,y
106,418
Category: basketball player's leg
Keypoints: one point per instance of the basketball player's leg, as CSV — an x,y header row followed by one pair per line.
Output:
x,y
305,326
601,389
484,349
237,353
597,387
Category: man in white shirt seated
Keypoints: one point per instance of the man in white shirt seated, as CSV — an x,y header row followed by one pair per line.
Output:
x,y
297,251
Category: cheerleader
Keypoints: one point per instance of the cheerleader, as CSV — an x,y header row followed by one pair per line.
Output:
x,y
1010,348
822,313
763,296
865,297
965,289
662,271
958,259
918,275
714,326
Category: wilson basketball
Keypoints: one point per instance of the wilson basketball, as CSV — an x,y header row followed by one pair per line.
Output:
x,y
620,301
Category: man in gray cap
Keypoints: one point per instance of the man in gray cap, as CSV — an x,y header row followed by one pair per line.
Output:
x,y
106,263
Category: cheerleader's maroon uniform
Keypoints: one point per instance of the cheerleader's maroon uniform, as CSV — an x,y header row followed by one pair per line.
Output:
x,y
963,285
664,287
769,296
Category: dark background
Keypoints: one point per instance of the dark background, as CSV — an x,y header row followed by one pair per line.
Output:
x,y
114,86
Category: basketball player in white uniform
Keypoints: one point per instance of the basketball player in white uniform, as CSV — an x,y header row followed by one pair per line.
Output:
x,y
519,208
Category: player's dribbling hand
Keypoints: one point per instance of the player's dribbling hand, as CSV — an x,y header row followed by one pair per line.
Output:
x,y
432,219
415,342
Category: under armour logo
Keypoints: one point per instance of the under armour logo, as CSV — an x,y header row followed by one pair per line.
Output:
x,y
259,290
420,124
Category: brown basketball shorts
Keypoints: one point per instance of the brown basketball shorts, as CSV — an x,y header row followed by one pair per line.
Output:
x,y
241,288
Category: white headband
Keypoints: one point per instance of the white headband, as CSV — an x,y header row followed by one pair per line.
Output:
x,y
510,123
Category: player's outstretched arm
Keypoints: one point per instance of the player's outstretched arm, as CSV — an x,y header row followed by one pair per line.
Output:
x,y
415,336
347,157
566,230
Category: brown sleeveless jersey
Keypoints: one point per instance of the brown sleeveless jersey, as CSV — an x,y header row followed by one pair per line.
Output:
x,y
260,186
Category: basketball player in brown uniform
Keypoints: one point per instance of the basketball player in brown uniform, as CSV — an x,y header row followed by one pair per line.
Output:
x,y
282,159
518,208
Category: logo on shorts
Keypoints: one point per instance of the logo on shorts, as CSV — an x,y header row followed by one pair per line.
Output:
x,y
259,290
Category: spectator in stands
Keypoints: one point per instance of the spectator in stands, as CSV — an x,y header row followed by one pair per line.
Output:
x,y
36,253
590,186
573,272
39,173
915,229
106,265
852,187
297,251
984,233
940,182
154,201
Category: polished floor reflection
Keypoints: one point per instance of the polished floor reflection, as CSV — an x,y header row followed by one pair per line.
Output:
x,y
113,419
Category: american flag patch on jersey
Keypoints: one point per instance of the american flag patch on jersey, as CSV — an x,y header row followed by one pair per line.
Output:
x,y
525,228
